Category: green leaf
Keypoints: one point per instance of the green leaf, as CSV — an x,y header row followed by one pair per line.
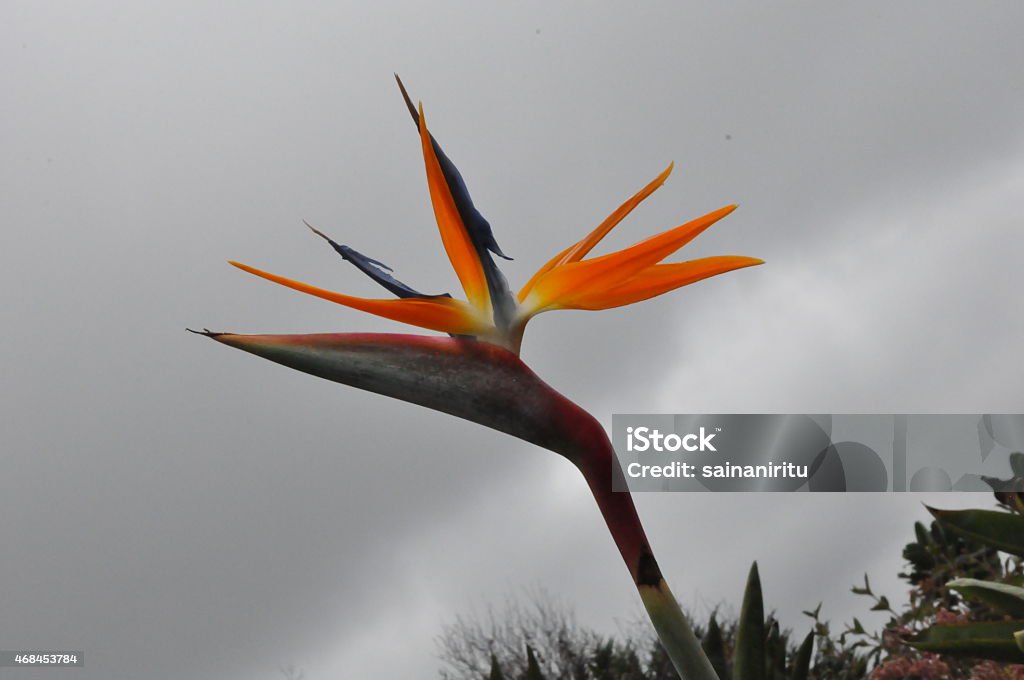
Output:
x,y
802,660
882,605
866,590
748,657
1000,530
496,673
813,614
774,651
986,640
1004,597
532,667
923,537
1017,464
714,647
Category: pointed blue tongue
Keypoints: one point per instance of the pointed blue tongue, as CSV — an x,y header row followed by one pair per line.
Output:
x,y
375,269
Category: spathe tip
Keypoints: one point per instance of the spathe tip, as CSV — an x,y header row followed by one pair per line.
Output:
x,y
206,332
408,100
317,231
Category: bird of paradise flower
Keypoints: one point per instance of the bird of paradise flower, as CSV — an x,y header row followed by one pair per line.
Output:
x,y
476,373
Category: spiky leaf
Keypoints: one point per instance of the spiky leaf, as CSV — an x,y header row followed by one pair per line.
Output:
x,y
714,647
532,667
802,660
496,673
748,659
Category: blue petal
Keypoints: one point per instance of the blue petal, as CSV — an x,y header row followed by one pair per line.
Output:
x,y
376,270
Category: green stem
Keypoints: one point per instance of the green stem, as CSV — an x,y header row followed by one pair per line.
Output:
x,y
683,647
591,451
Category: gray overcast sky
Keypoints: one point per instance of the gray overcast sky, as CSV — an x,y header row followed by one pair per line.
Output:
x,y
179,509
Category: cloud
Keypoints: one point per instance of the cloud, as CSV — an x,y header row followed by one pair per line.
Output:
x,y
178,510
903,311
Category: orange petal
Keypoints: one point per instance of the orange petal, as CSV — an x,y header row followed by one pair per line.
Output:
x,y
454,236
525,290
439,314
560,286
661,278
578,250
